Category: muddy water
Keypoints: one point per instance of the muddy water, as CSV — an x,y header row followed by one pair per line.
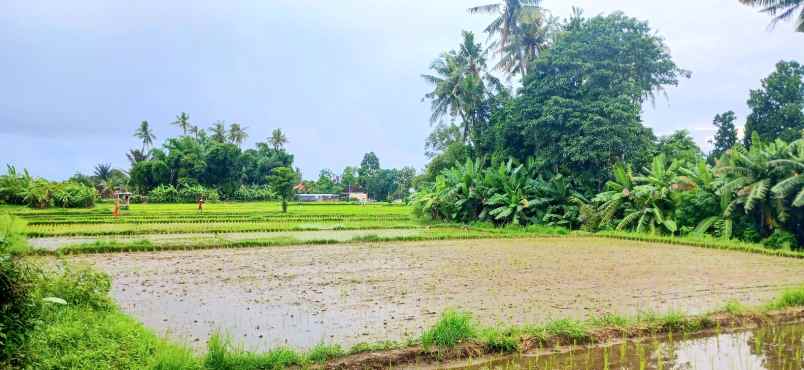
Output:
x,y
768,348
350,293
53,243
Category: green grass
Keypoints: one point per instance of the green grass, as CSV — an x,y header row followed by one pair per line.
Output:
x,y
322,352
452,328
221,354
700,241
792,297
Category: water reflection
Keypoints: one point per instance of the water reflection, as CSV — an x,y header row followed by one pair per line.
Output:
x,y
769,348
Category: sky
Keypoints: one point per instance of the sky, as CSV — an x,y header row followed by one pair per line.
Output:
x,y
341,78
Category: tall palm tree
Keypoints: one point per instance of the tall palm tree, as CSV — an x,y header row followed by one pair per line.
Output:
x,y
533,36
507,22
278,139
195,131
103,171
460,84
183,122
136,155
218,131
145,134
237,134
781,10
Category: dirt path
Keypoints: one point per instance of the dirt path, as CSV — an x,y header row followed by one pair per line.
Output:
x,y
369,292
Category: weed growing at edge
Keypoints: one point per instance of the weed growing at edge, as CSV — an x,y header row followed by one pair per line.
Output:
x,y
452,328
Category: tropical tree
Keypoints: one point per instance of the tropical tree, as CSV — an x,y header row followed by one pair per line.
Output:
x,y
777,108
462,86
726,135
103,171
195,130
533,35
237,134
183,122
136,155
282,180
748,178
506,23
793,184
145,134
218,131
781,10
278,139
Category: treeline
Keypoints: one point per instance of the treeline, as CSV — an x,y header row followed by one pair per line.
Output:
x,y
381,184
568,147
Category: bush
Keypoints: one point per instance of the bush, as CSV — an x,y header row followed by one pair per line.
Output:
x,y
781,239
74,195
254,193
452,328
78,286
186,194
18,307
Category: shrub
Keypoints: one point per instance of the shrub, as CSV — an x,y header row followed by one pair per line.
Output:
x,y
78,286
321,352
222,355
74,195
163,194
254,193
18,307
452,328
781,239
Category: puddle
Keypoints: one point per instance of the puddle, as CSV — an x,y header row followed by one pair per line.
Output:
x,y
767,348
53,243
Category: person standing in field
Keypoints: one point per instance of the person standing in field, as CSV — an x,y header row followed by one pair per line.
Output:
x,y
201,204
116,209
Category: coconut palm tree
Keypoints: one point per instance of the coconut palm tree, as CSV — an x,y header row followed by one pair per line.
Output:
x,y
461,85
136,155
145,134
533,36
278,139
183,122
195,131
237,134
507,22
218,131
781,10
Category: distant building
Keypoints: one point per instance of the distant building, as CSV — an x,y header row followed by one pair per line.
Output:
x,y
358,196
317,197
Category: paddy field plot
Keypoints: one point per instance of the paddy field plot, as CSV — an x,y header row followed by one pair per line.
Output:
x,y
368,292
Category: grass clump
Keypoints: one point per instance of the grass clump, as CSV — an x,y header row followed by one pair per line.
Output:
x,y
734,307
610,320
792,297
500,340
573,331
221,354
321,352
452,328
374,347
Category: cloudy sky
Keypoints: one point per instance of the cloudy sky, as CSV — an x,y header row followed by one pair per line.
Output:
x,y
341,78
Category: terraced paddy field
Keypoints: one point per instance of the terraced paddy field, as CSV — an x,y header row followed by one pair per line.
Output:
x,y
351,293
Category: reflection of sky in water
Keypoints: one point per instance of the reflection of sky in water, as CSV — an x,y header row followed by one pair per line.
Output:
x,y
771,348
726,351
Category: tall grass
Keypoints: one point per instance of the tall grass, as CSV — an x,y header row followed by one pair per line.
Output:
x,y
452,328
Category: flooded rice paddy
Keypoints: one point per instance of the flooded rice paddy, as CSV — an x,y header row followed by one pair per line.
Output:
x,y
368,292
768,348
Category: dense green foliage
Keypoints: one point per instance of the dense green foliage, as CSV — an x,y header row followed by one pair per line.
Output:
x,y
777,109
39,193
17,303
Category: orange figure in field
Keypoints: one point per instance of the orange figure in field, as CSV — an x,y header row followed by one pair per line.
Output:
x,y
116,210
200,204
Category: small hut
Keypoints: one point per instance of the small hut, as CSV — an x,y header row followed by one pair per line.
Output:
x,y
123,198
